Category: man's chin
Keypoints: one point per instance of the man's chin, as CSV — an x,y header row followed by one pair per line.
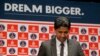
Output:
x,y
63,39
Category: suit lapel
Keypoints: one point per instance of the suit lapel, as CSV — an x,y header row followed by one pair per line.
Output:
x,y
69,48
53,47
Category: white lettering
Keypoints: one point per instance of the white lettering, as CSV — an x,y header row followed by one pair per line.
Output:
x,y
63,10
48,9
7,7
14,7
37,9
27,9
58,10
78,11
66,10
23,8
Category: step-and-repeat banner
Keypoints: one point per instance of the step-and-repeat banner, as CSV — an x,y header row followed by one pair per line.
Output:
x,y
25,24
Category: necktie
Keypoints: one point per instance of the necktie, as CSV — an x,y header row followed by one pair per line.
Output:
x,y
62,49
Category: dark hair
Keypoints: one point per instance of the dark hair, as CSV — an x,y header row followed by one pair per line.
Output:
x,y
62,21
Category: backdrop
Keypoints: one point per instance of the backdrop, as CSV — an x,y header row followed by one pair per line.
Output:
x,y
25,24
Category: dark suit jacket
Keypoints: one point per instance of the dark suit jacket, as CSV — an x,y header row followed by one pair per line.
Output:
x,y
48,48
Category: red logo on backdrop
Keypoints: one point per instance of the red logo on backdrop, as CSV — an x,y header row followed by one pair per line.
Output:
x,y
33,28
93,31
83,38
86,52
43,36
12,27
24,46
74,30
23,51
99,38
12,43
99,52
3,50
33,44
12,55
93,46
23,36
3,35
51,29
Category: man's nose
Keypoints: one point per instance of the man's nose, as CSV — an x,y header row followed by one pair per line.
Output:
x,y
62,35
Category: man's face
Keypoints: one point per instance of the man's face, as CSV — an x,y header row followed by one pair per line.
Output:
x,y
62,33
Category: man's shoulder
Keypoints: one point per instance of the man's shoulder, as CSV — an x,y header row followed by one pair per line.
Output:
x,y
47,42
73,41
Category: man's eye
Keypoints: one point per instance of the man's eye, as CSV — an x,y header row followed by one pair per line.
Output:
x,y
66,32
60,32
63,32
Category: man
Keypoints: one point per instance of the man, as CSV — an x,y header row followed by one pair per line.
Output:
x,y
54,47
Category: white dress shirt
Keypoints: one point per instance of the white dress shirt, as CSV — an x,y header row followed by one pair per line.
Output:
x,y
58,47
